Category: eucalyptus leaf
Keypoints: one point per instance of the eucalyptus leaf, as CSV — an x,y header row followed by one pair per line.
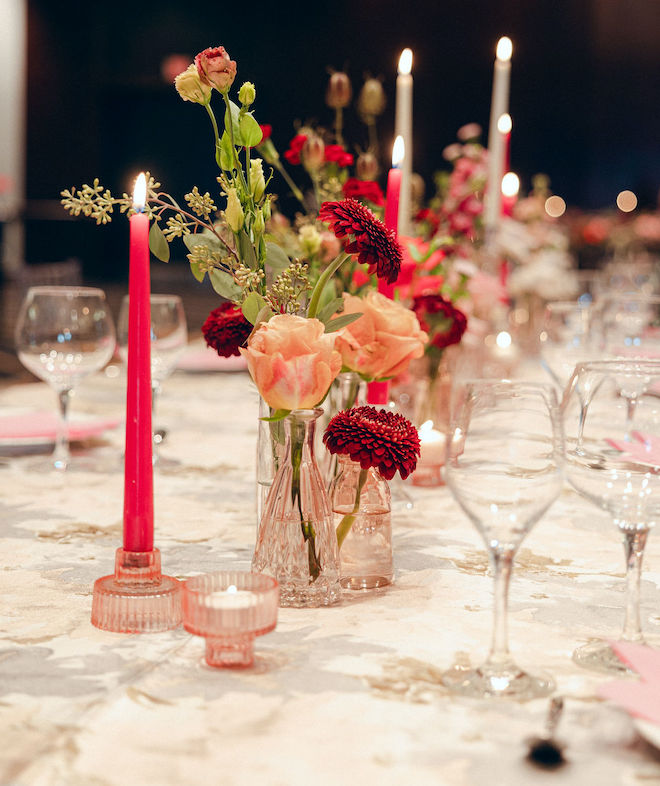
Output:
x,y
252,306
330,309
246,250
197,271
340,322
225,285
263,316
276,258
158,244
204,238
250,131
415,253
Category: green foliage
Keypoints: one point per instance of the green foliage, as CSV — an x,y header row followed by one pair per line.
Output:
x,y
158,244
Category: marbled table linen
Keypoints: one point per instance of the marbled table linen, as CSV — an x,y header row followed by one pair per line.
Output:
x,y
349,694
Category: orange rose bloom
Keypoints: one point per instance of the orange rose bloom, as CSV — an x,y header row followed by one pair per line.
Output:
x,y
383,341
292,361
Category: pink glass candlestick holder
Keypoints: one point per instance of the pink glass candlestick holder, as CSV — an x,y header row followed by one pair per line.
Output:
x,y
137,598
229,609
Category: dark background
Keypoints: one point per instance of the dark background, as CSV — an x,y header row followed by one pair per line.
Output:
x,y
584,93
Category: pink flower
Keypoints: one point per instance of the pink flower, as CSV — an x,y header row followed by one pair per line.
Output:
x,y
215,68
292,361
486,291
383,341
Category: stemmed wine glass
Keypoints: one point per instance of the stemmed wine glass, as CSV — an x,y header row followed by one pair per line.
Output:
x,y
616,464
64,334
169,338
504,467
565,339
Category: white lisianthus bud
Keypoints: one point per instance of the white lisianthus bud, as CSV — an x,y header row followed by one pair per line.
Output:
x,y
191,88
259,224
234,211
309,239
257,180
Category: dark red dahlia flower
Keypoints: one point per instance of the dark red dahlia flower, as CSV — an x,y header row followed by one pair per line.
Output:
x,y
366,236
292,155
363,189
375,438
226,329
440,318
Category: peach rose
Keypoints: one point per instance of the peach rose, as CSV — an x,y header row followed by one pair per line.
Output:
x,y
292,361
383,341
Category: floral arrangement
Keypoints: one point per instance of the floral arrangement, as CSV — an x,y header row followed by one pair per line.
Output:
x,y
232,246
373,438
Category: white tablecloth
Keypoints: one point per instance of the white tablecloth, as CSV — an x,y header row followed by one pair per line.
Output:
x,y
348,694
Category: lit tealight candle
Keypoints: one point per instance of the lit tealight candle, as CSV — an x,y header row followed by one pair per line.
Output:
x,y
231,599
432,445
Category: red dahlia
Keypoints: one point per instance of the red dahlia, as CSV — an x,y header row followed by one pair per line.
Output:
x,y
375,245
226,329
375,438
440,318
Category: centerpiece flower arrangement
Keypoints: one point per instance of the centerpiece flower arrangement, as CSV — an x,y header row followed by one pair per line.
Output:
x,y
287,318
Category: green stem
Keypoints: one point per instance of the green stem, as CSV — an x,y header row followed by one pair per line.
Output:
x,y
215,134
327,274
307,527
339,126
230,127
347,521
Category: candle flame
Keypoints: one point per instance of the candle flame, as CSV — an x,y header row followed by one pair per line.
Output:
x,y
504,49
398,151
405,61
505,124
510,184
140,192
503,339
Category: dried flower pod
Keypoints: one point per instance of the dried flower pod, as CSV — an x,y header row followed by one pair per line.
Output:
x,y
371,101
367,166
313,152
417,188
339,92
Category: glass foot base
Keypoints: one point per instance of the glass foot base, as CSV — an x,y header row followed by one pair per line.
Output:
x,y
510,683
428,475
598,656
365,582
137,598
305,595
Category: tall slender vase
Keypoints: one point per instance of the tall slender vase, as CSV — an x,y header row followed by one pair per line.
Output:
x,y
270,446
296,541
361,505
348,390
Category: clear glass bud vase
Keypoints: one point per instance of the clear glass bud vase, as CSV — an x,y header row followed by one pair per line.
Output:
x,y
296,542
270,446
361,507
347,391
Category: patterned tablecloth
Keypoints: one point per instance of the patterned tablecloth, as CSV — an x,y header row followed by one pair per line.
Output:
x,y
349,694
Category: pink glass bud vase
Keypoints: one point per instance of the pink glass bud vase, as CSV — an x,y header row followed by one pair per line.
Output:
x,y
296,542
361,506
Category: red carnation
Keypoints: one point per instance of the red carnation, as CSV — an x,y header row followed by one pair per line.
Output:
x,y
337,154
266,131
375,438
444,323
366,236
368,190
226,329
292,155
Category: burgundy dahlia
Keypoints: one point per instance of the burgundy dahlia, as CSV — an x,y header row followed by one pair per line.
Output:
x,y
440,318
226,329
366,236
375,438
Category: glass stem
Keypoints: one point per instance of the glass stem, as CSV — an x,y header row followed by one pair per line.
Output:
x,y
631,404
634,541
62,454
502,564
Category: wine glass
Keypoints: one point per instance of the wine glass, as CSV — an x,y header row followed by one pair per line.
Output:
x,y
565,339
64,334
169,337
617,467
504,467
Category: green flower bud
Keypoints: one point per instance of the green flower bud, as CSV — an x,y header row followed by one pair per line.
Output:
x,y
259,223
309,239
257,180
234,211
265,209
247,93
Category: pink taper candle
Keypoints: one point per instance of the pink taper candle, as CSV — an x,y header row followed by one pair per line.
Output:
x,y
138,466
392,201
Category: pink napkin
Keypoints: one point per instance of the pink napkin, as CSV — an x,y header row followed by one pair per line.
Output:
x,y
644,450
208,360
641,698
43,425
